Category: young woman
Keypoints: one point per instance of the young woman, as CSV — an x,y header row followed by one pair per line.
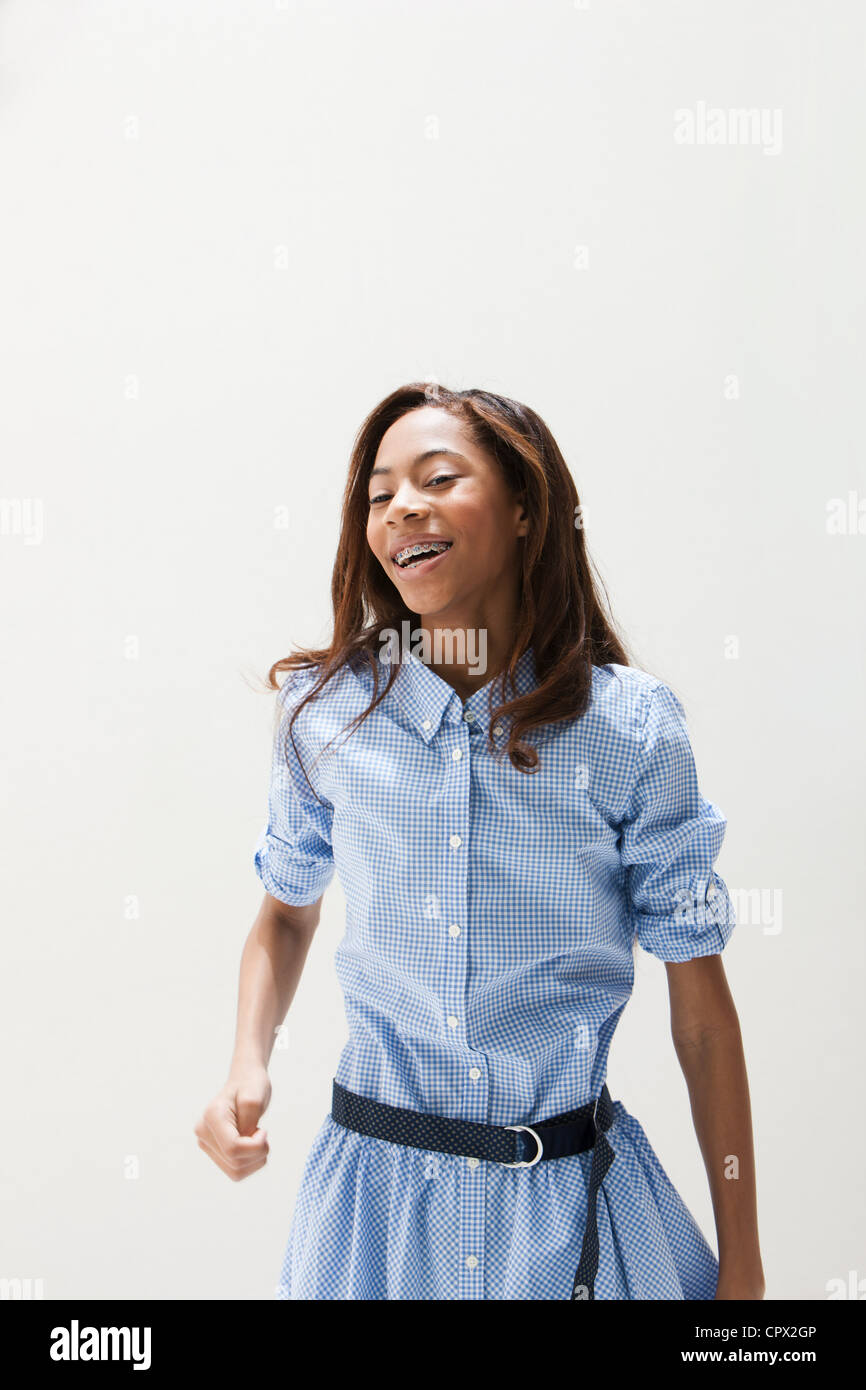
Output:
x,y
508,816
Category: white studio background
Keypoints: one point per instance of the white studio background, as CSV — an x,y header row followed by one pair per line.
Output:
x,y
227,231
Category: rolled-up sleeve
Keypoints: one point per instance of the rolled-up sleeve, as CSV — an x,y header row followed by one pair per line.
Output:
x,y
669,840
293,854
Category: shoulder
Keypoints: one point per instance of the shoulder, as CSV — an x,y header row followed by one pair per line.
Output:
x,y
332,706
635,712
295,684
624,678
624,693
299,681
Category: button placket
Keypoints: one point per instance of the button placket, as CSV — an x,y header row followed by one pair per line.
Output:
x,y
457,809
452,737
474,1106
473,1229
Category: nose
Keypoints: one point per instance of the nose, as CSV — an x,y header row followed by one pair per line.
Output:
x,y
407,500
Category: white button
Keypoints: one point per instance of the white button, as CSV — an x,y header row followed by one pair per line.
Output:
x,y
471,1261
457,755
474,1073
455,842
427,724
473,1162
497,728
452,1021
454,930
468,716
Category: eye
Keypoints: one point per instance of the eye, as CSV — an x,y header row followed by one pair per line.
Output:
x,y
440,478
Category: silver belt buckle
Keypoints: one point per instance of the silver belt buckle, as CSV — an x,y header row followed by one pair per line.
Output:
x,y
526,1162
595,1122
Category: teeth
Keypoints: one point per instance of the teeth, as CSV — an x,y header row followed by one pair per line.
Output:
x,y
438,546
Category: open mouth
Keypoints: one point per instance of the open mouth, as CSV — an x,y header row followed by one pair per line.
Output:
x,y
421,556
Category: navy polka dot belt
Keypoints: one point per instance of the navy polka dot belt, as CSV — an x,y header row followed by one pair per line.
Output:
x,y
515,1146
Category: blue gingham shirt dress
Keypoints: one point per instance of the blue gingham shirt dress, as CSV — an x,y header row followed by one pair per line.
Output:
x,y
491,917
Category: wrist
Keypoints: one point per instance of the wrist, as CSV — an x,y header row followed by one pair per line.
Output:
x,y
745,1272
739,1286
246,1060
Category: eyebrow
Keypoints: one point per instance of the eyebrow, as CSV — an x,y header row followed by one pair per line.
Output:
x,y
422,458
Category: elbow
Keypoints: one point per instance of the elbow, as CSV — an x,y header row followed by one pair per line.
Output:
x,y
703,1036
302,918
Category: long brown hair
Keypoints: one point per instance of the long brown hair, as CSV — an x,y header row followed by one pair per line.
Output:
x,y
561,615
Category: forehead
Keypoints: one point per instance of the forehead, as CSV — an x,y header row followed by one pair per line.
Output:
x,y
423,429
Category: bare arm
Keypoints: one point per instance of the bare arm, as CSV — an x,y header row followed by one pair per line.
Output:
x,y
272,962
707,1040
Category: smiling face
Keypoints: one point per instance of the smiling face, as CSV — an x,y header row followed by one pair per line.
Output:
x,y
431,483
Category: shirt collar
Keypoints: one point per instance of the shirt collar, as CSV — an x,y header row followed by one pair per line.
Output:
x,y
426,699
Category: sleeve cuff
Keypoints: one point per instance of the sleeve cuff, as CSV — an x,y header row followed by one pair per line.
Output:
x,y
666,938
287,879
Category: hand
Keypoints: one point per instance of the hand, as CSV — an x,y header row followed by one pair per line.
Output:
x,y
227,1130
